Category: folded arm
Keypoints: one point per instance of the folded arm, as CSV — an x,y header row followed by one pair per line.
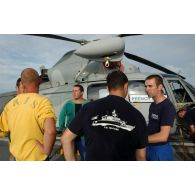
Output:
x,y
162,136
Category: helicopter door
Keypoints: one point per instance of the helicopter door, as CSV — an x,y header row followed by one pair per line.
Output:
x,y
97,91
180,93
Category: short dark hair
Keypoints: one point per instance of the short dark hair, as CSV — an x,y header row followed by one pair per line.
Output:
x,y
181,109
158,79
80,87
116,80
18,82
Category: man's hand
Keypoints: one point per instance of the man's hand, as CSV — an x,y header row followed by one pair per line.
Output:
x,y
40,146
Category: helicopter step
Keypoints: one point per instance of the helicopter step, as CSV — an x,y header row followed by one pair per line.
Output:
x,y
184,149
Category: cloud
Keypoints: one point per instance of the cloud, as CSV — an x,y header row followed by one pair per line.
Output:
x,y
171,51
21,51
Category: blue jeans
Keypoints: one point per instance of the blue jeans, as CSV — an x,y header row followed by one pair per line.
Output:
x,y
159,152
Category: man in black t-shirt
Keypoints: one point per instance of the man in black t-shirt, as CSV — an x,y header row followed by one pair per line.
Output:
x,y
113,129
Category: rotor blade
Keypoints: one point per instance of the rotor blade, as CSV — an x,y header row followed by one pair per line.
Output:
x,y
82,42
149,63
127,35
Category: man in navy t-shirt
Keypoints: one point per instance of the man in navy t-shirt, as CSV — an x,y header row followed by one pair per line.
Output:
x,y
188,114
161,118
113,128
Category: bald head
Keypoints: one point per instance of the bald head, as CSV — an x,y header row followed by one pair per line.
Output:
x,y
30,79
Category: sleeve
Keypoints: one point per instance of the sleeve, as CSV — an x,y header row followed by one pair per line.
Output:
x,y
142,132
86,102
62,117
76,125
45,110
168,115
189,119
4,123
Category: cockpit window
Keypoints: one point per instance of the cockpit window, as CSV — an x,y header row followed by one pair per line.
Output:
x,y
96,91
190,87
179,92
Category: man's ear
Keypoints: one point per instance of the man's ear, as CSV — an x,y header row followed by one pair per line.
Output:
x,y
126,87
160,87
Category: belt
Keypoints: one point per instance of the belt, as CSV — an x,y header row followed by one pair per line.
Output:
x,y
157,144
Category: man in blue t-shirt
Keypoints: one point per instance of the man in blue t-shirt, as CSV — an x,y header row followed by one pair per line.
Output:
x,y
188,114
161,118
113,128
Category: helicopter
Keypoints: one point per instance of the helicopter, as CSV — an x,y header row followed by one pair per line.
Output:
x,y
91,62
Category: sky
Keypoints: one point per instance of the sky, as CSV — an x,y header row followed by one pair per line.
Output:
x,y
17,51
